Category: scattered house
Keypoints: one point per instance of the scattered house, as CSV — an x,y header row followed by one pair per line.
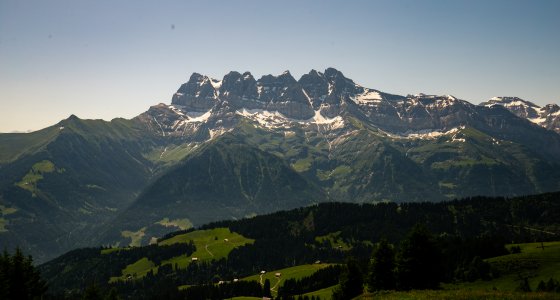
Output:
x,y
194,259
226,240
128,277
317,262
278,274
221,282
263,272
235,280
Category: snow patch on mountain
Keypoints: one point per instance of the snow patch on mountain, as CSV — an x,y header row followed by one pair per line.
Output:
x,y
368,97
190,116
198,116
216,83
274,119
265,118
429,134
336,122
217,132
547,116
538,121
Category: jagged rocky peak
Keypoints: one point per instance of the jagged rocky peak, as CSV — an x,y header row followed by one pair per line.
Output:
x,y
236,86
284,94
547,116
434,101
518,106
242,90
551,109
509,101
316,86
280,88
196,94
313,78
237,91
333,74
283,79
340,84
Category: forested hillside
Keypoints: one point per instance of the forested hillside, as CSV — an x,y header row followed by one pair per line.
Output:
x,y
328,234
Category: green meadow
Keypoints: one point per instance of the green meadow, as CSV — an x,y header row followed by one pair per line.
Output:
x,y
296,272
534,263
210,244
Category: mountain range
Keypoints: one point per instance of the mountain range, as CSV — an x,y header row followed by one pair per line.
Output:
x,y
237,147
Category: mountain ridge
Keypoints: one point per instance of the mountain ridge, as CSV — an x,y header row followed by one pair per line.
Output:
x,y
330,92
344,141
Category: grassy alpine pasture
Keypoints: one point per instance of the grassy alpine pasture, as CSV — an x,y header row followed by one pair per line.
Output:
x,y
135,236
29,181
4,210
3,223
296,272
182,224
325,293
534,263
111,250
210,244
136,270
334,240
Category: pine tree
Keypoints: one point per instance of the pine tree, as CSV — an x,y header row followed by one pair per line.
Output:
x,y
351,281
266,289
541,287
18,289
4,275
552,285
524,285
419,261
382,270
18,277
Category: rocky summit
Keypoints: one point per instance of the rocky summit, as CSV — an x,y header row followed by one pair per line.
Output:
x,y
204,108
547,116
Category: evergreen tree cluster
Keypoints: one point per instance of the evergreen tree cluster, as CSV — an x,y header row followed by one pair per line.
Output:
x,y
351,281
551,286
19,280
416,265
93,265
421,261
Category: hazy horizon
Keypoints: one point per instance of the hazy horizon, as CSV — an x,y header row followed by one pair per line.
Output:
x,y
104,60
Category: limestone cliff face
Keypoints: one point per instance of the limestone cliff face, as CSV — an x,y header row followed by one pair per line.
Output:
x,y
241,91
197,94
330,94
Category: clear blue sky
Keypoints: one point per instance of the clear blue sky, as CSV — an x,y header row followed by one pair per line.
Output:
x,y
107,59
